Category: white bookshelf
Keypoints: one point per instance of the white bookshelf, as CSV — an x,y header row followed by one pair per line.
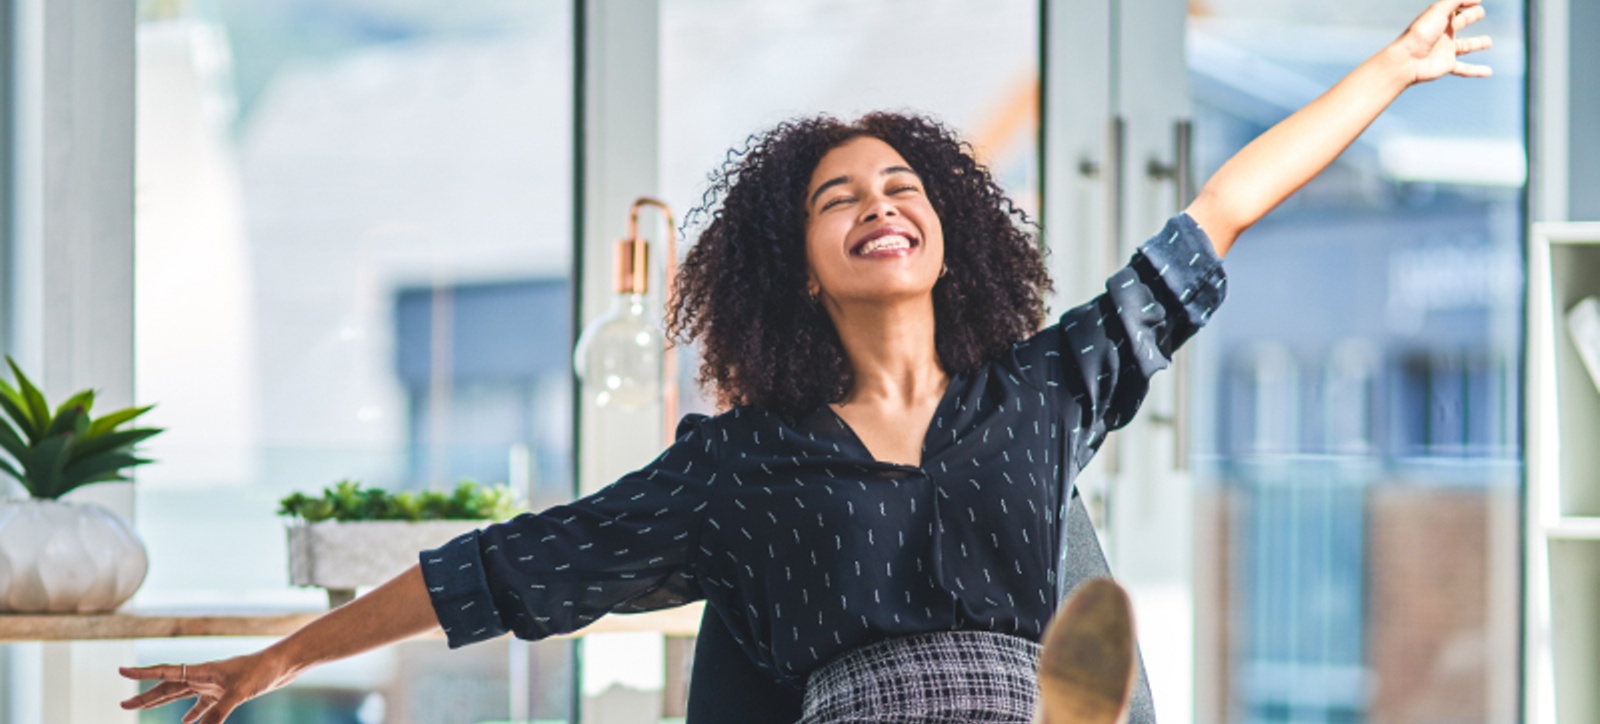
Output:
x,y
1563,452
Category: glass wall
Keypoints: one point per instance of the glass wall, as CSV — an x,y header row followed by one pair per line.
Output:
x,y
1361,387
354,258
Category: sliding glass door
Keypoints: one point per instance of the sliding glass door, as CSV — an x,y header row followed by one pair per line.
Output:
x,y
1317,509
1358,492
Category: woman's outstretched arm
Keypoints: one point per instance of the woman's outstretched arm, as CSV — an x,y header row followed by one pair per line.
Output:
x,y
1280,161
394,611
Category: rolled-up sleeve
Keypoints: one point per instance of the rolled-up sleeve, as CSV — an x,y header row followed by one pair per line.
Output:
x,y
627,548
1100,356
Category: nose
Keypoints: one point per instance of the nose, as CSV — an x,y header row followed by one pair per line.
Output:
x,y
878,206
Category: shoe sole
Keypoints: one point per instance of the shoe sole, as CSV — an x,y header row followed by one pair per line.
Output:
x,y
1086,667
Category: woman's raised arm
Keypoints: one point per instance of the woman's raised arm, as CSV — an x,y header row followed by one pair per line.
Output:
x,y
1280,161
394,611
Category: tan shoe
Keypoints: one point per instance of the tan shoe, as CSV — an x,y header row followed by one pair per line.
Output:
x,y
1086,668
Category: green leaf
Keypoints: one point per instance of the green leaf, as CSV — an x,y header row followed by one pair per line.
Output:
x,y
38,409
109,421
292,504
84,399
316,511
65,423
11,442
114,441
11,401
45,464
84,469
6,468
101,478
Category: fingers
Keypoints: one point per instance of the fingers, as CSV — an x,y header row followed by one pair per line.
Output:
x,y
1473,45
219,713
1472,70
145,673
1466,16
162,693
201,706
1452,8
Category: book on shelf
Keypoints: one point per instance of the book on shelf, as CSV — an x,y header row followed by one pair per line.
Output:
x,y
1583,323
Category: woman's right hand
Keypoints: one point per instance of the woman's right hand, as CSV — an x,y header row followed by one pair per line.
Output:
x,y
218,687
396,610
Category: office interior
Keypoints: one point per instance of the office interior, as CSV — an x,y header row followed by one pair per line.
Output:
x,y
358,239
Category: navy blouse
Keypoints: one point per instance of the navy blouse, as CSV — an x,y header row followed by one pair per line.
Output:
x,y
806,545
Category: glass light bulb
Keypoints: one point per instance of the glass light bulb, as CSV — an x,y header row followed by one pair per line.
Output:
x,y
618,358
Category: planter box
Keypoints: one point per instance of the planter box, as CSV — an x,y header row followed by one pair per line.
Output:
x,y
342,557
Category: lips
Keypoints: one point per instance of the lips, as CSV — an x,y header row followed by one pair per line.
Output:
x,y
885,241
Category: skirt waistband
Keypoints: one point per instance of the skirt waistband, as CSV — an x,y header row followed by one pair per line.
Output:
x,y
946,676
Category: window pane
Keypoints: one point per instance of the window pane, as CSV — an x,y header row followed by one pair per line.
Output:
x,y
1361,497
353,252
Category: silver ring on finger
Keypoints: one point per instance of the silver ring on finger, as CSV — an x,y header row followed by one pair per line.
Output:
x,y
183,673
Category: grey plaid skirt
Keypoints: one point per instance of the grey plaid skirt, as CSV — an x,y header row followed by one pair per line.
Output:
x,y
934,678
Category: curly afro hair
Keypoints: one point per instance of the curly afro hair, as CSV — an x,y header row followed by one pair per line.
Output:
x,y
741,290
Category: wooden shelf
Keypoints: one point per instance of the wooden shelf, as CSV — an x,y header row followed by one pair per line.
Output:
x,y
135,624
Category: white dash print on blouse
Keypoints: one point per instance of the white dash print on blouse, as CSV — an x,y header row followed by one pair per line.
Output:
x,y
754,513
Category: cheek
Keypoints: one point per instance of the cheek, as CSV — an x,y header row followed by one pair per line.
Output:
x,y
936,237
815,256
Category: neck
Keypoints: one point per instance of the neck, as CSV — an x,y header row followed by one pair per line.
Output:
x,y
891,352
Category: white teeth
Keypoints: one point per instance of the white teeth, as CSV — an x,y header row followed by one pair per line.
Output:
x,y
886,242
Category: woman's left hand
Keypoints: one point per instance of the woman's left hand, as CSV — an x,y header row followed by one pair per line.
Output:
x,y
217,687
1432,45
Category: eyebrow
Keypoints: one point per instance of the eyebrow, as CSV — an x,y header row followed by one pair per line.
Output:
x,y
830,183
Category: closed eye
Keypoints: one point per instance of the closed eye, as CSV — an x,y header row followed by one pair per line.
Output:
x,y
903,189
837,200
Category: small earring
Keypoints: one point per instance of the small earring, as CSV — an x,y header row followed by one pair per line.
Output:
x,y
944,269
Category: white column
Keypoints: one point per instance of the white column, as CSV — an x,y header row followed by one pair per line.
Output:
x,y
72,266
1076,109
1153,512
1581,106
621,673
1549,86
1553,67
1117,64
7,90
620,163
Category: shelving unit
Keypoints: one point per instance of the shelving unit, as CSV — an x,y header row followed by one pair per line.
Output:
x,y
1563,452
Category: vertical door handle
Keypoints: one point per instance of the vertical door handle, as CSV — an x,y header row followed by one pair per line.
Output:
x,y
1112,177
1181,173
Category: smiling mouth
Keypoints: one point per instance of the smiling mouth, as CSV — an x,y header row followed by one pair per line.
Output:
x,y
884,241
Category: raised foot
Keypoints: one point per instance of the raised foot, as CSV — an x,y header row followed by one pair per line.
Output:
x,y
1086,668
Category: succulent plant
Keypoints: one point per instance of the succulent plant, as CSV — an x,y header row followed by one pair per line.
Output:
x,y
346,501
53,454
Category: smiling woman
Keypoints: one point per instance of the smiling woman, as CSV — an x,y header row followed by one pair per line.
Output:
x,y
792,200
885,514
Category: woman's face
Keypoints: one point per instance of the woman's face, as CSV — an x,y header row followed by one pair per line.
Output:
x,y
871,233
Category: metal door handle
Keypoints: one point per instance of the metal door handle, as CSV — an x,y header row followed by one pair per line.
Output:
x,y
1181,173
1112,176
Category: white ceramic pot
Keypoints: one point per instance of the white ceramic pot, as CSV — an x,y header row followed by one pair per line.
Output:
x,y
342,557
66,558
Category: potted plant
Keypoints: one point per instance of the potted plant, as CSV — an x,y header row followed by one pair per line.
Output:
x,y
351,536
60,557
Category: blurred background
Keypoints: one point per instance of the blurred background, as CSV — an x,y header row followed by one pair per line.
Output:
x,y
355,257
